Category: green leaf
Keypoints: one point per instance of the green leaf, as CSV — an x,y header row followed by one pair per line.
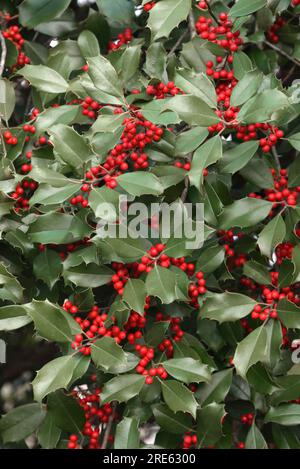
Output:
x,y
272,235
290,389
52,322
119,13
285,414
105,203
227,307
140,183
126,249
209,424
48,176
21,422
47,266
197,52
105,79
34,12
156,59
64,114
57,228
262,106
106,353
13,317
260,380
295,140
250,350
217,389
135,295
44,78
285,438
69,145
130,62
187,370
244,8
246,88
197,85
241,64
158,112
88,44
161,282
178,423
156,333
7,99
237,157
258,272
288,313
244,213
166,15
38,53
169,175
66,412
257,172
11,288
127,434
188,141
122,388
210,259
274,342
206,155
178,397
192,110
91,275
255,439
48,195
48,434
56,374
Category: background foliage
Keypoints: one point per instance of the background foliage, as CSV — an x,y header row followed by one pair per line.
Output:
x,y
164,101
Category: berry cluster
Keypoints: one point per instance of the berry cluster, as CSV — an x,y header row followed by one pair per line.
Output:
x,y
272,33
270,296
147,355
95,416
160,91
22,194
227,238
93,327
154,256
198,288
90,107
281,195
10,139
190,440
148,6
221,34
64,249
284,251
137,133
120,278
247,419
123,38
14,35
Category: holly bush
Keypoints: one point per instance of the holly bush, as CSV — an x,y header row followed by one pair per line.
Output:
x,y
154,344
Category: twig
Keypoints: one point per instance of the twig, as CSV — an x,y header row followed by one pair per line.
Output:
x,y
212,13
177,44
281,52
289,74
276,157
185,190
192,25
3,54
108,429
